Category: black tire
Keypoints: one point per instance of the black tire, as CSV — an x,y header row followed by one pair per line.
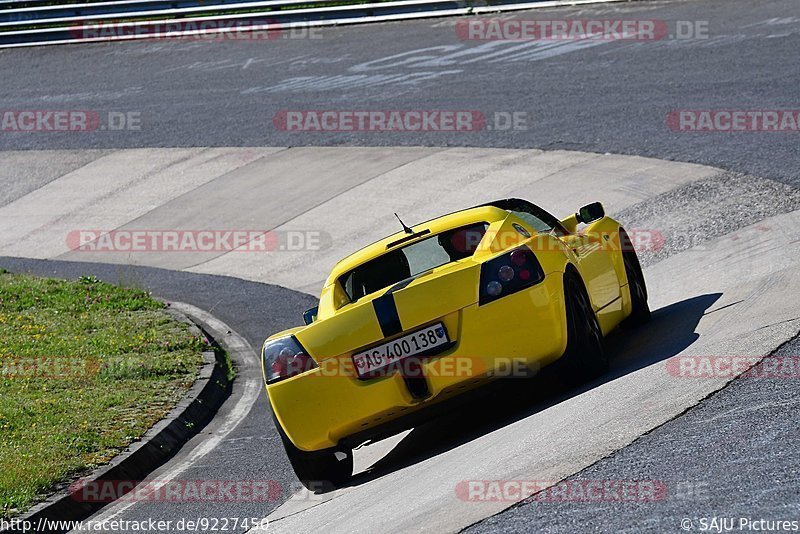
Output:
x,y
319,471
640,313
584,357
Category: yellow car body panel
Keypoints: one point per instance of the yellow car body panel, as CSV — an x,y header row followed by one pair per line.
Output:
x,y
320,408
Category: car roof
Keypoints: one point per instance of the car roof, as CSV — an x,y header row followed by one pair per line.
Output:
x,y
489,212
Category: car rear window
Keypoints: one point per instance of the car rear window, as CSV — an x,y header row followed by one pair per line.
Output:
x,y
413,259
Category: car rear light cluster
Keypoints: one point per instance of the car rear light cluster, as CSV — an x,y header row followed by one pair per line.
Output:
x,y
284,358
509,273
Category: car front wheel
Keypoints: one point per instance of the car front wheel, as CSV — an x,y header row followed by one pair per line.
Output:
x,y
584,357
640,312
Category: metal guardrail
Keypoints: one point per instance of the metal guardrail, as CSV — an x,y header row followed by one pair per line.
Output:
x,y
39,22
97,10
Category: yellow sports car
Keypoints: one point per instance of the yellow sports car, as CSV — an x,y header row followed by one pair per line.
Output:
x,y
438,309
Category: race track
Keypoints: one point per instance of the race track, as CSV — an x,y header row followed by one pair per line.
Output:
x,y
607,96
208,157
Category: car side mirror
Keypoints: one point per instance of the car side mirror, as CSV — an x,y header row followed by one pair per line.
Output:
x,y
590,213
309,316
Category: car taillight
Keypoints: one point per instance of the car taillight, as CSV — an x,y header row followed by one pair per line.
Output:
x,y
509,273
284,358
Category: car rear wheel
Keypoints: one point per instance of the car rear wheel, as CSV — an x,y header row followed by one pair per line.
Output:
x,y
319,471
640,313
584,357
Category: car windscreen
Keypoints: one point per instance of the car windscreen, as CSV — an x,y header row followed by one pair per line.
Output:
x,y
413,259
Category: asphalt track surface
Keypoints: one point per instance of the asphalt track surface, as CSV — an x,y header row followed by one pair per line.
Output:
x,y
252,451
604,96
186,100
725,458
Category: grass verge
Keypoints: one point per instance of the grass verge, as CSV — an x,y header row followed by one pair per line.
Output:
x,y
85,369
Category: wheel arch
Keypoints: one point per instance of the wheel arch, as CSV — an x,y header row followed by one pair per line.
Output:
x,y
628,249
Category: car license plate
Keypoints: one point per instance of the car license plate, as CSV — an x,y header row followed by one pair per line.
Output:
x,y
369,361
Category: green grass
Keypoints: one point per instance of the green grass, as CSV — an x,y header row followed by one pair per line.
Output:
x,y
85,369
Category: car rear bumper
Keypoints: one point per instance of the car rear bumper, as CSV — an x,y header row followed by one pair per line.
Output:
x,y
322,407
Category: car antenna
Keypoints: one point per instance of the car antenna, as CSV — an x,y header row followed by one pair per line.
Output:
x,y
406,229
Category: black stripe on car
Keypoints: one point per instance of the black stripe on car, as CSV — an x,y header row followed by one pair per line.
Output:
x,y
386,312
